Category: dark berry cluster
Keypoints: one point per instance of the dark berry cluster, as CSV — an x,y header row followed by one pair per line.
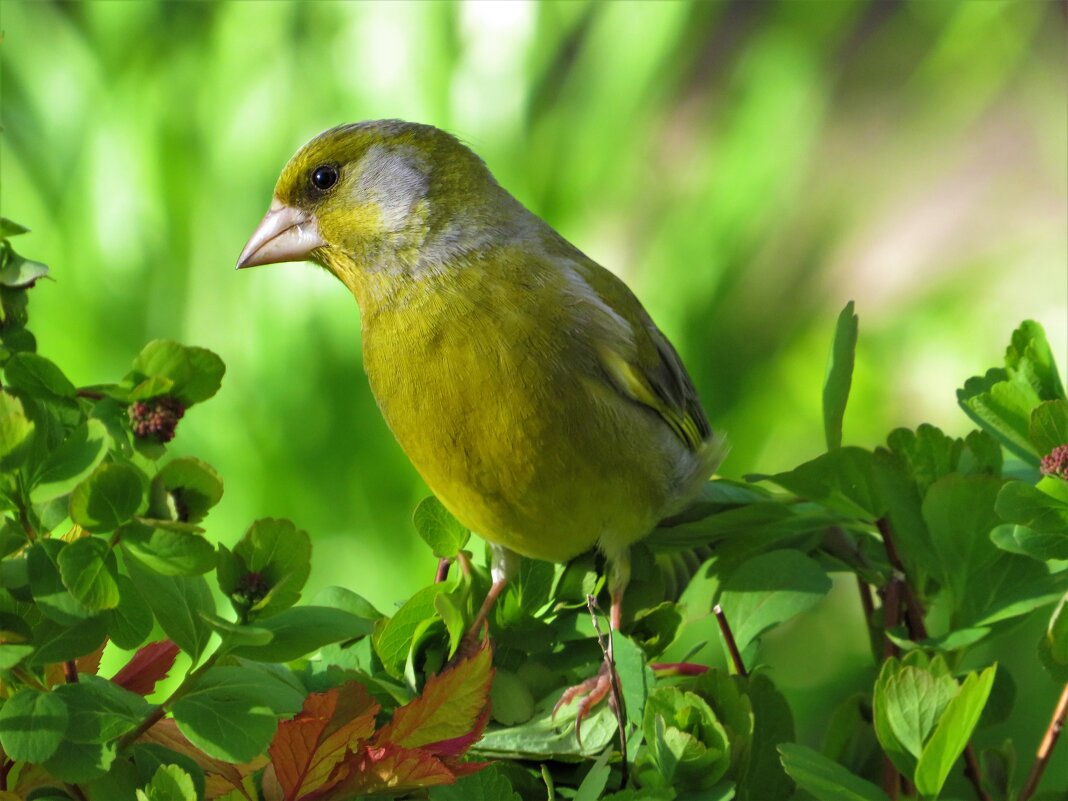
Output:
x,y
1055,463
156,418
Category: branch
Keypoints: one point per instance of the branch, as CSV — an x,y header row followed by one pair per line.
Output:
x,y
1045,748
70,672
728,637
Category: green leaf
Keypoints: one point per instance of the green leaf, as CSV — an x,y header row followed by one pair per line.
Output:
x,y
71,463
1049,425
635,677
19,272
547,736
100,711
184,490
170,783
770,589
178,602
15,432
1038,545
511,701
596,778
278,555
486,785
761,776
232,712
953,732
686,746
824,779
148,758
842,480
351,602
302,630
445,535
81,762
167,552
1057,633
57,643
1029,356
392,639
839,376
32,725
195,373
129,623
37,376
87,567
107,498
49,593
1025,505
914,699
8,228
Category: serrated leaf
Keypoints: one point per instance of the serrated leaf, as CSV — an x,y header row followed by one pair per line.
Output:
x,y
445,535
770,589
33,724
70,463
914,700
839,375
306,749
390,769
303,630
1049,425
1038,545
178,603
38,376
232,712
149,666
88,571
170,783
450,714
842,480
1025,505
953,732
486,785
393,639
107,498
824,779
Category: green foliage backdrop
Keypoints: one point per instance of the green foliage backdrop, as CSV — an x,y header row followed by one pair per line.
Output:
x,y
747,167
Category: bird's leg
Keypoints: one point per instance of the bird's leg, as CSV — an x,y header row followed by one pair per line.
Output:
x,y
503,567
599,686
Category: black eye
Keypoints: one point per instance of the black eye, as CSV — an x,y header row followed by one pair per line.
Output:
x,y
324,177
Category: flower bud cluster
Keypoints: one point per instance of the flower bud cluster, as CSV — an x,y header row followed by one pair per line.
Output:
x,y
1055,463
156,418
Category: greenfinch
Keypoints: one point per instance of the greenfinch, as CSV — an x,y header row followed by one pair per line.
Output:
x,y
526,383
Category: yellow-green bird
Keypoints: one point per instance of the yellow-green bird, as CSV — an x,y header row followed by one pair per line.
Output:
x,y
526,383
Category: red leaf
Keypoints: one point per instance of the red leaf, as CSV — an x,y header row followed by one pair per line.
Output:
x,y
450,714
149,665
306,749
388,769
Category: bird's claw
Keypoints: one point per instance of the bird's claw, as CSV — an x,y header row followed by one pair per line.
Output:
x,y
590,692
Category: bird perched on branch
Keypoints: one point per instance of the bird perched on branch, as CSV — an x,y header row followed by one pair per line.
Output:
x,y
526,383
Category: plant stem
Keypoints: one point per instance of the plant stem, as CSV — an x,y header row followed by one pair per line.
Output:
x,y
157,713
1045,748
974,773
613,680
891,614
70,671
442,571
913,607
728,637
891,779
28,679
91,394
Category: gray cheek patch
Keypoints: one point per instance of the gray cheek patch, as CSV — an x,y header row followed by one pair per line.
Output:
x,y
395,179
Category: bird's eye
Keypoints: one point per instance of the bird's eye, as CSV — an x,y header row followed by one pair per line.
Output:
x,y
324,177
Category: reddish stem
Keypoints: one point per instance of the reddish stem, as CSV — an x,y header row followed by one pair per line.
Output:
x,y
1045,748
728,637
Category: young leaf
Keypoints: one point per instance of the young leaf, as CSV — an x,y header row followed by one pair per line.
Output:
x,y
166,551
842,480
824,779
306,749
451,712
389,769
107,498
184,490
442,532
839,376
150,665
33,724
393,639
15,432
87,568
1049,425
953,732
275,560
195,374
914,699
70,463
179,603
1038,545
170,783
232,712
770,589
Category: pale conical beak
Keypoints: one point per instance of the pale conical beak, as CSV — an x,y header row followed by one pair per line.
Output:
x,y
285,234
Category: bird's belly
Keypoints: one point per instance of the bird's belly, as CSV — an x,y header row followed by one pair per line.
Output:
x,y
517,448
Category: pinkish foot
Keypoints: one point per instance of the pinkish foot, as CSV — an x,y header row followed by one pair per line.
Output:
x,y
590,692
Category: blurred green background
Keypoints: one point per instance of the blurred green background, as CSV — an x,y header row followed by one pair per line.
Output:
x,y
747,167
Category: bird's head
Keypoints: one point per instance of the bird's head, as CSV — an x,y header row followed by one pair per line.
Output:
x,y
371,195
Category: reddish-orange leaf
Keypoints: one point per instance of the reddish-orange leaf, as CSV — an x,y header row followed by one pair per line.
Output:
x,y
306,749
388,769
450,714
149,665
